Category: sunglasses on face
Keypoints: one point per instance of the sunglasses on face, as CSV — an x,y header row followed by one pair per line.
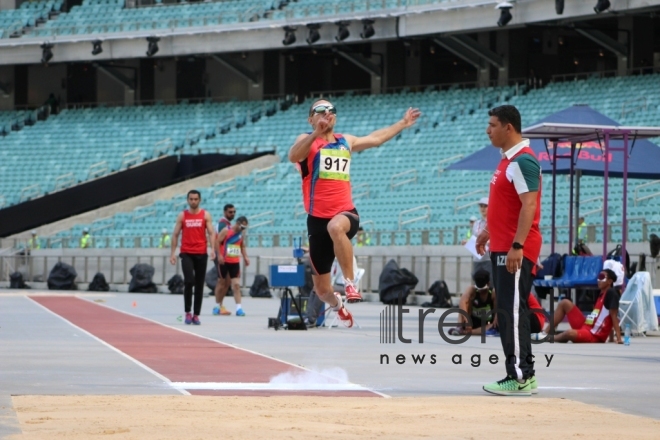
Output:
x,y
602,276
243,226
231,212
320,109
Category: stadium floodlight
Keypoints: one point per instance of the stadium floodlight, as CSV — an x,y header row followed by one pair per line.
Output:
x,y
96,47
559,6
367,29
343,32
289,35
505,13
152,48
602,5
46,53
314,34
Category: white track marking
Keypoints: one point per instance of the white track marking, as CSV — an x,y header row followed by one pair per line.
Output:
x,y
226,344
138,363
260,386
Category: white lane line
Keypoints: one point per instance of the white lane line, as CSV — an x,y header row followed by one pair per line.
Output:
x,y
226,344
132,359
261,386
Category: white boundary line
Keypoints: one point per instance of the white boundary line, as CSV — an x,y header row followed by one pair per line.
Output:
x,y
226,344
138,363
260,386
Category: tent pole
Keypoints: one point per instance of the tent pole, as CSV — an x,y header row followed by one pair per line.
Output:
x,y
554,195
624,228
570,202
578,176
605,191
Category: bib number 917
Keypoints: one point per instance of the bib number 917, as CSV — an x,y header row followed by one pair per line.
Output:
x,y
335,165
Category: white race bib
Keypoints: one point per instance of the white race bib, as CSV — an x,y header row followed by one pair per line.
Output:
x,y
335,165
233,250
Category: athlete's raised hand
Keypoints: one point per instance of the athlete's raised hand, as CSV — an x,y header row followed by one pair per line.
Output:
x,y
411,116
324,123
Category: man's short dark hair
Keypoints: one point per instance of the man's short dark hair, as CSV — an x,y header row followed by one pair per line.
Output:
x,y
227,206
481,278
194,191
611,275
242,219
507,114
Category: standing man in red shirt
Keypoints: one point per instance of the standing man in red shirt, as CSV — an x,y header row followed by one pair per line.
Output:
x,y
514,210
222,286
194,223
324,160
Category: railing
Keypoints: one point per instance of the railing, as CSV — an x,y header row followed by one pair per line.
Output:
x,y
108,222
299,210
143,212
265,174
593,211
163,147
408,176
223,187
363,224
98,169
361,190
65,181
30,192
270,221
193,135
131,158
179,206
426,216
641,104
443,162
466,195
638,199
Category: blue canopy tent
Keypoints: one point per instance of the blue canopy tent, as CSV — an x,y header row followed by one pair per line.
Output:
x,y
585,137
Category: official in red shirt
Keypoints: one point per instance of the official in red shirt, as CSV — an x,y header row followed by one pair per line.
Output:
x,y
194,223
514,210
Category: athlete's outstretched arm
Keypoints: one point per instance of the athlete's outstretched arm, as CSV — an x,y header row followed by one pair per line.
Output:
x,y
175,237
300,149
383,135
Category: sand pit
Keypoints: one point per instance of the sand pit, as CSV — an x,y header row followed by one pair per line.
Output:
x,y
201,417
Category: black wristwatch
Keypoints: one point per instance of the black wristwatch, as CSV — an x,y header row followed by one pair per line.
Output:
x,y
517,246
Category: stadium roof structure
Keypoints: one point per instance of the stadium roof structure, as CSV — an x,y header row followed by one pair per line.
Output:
x,y
589,129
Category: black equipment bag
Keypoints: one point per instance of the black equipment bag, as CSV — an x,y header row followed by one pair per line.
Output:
x,y
175,285
655,245
98,284
260,288
395,283
142,279
16,281
62,277
441,297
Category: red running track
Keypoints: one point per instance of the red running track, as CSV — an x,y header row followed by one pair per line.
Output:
x,y
177,355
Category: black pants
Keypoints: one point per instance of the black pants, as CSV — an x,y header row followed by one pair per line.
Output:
x,y
513,315
194,271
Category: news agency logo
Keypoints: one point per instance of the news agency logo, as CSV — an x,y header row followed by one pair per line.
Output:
x,y
391,324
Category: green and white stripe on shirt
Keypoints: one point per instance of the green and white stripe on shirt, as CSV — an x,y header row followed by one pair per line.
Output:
x,y
524,172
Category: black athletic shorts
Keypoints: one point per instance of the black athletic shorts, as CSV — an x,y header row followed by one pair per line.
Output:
x,y
233,269
321,247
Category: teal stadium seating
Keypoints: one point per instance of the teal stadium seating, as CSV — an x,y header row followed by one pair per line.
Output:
x,y
13,22
453,124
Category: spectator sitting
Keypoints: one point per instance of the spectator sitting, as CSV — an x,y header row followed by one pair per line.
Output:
x,y
165,240
476,301
85,240
363,238
597,325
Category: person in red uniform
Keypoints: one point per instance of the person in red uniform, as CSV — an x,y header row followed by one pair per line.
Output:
x,y
324,160
222,286
596,326
194,224
232,247
514,210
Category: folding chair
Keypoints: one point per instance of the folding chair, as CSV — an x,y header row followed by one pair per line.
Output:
x,y
625,307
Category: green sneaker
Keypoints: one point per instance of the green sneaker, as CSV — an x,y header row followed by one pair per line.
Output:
x,y
533,385
509,387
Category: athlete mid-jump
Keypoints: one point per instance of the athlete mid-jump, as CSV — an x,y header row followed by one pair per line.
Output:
x,y
324,158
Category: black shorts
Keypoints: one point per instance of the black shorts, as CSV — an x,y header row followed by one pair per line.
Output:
x,y
233,269
321,247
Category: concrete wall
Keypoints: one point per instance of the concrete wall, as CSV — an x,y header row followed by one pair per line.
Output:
x,y
109,90
224,82
44,80
7,4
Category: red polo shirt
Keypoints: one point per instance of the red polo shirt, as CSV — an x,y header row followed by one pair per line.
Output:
x,y
519,172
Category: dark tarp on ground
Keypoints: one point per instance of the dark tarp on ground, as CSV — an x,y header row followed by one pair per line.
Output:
x,y
142,279
175,284
260,287
98,284
62,277
394,283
